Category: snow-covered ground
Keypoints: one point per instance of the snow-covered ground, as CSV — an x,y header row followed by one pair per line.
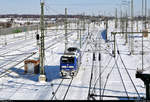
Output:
x,y
15,85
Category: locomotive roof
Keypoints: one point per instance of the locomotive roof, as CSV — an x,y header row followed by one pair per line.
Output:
x,y
71,54
72,49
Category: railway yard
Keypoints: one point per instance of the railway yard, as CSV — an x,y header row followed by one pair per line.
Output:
x,y
112,77
75,57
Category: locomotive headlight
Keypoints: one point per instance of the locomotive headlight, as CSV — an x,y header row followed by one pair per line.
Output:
x,y
63,66
71,66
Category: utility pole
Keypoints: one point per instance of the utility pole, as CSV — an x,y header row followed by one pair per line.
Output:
x,y
66,40
106,29
137,25
126,37
38,42
142,54
88,27
121,20
123,23
142,33
116,20
142,7
78,30
145,14
132,39
80,39
56,27
149,17
26,32
114,45
100,71
83,21
5,39
149,12
42,76
142,12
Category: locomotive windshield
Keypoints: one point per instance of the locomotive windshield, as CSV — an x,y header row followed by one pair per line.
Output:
x,y
72,49
67,59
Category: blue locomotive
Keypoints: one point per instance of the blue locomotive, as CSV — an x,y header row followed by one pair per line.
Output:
x,y
70,62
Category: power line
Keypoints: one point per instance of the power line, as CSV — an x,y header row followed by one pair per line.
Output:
x,y
48,8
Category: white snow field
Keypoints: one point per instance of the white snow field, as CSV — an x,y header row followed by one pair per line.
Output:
x,y
117,74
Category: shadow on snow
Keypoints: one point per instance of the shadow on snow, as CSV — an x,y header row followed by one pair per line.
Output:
x,y
52,73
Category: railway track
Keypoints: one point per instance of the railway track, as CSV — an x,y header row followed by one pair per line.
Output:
x,y
62,85
121,76
54,93
67,84
68,89
19,45
60,88
6,70
93,88
16,57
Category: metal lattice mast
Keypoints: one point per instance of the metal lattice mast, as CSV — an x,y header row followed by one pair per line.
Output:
x,y
42,52
83,21
106,30
66,40
142,11
121,20
126,37
116,19
78,30
88,27
145,14
132,39
149,16
142,29
149,12
100,71
137,25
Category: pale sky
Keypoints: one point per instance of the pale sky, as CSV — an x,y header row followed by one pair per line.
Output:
x,y
92,7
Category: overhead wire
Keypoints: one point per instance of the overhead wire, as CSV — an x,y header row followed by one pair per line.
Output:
x,y
48,8
121,78
108,75
127,71
102,70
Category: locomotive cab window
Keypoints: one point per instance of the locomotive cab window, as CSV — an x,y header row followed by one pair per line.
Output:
x,y
67,59
72,49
